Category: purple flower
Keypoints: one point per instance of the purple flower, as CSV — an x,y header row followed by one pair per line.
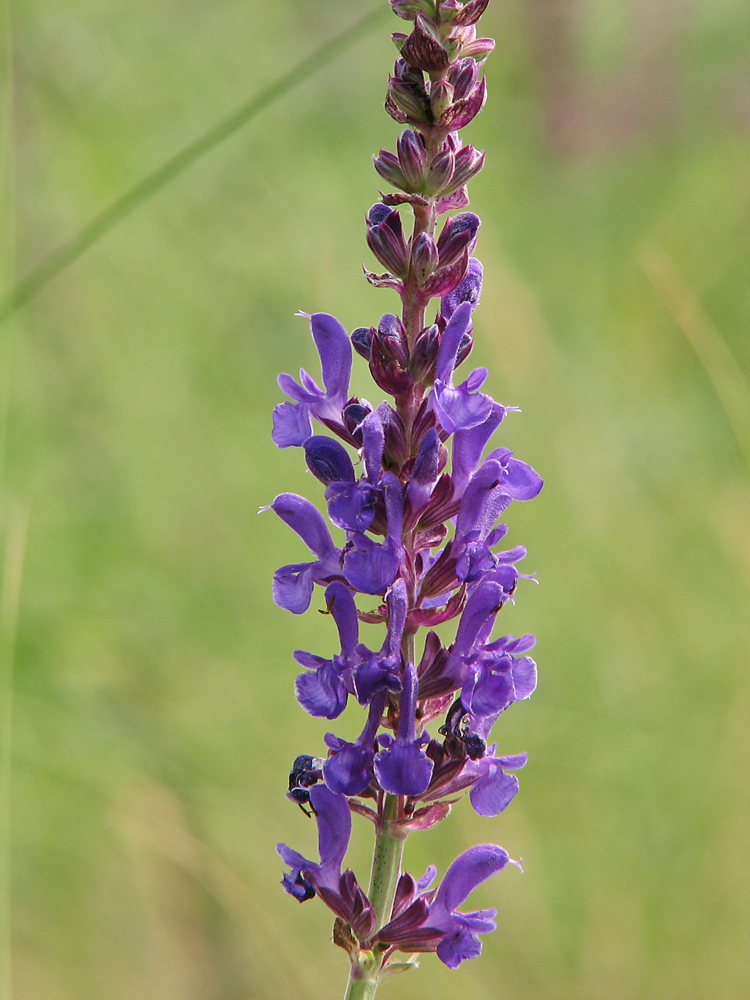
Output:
x,y
323,691
291,423
349,770
351,505
334,829
495,678
403,767
494,789
293,584
433,921
458,407
381,671
371,567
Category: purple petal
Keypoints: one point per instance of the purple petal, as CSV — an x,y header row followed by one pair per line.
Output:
x,y
351,506
321,693
293,587
350,770
341,604
468,871
369,567
521,481
493,793
291,425
469,444
335,352
460,946
524,677
403,769
373,441
483,500
328,460
459,408
457,326
334,820
307,521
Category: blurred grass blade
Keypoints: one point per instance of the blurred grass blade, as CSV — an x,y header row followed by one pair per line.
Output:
x,y
145,189
726,376
10,590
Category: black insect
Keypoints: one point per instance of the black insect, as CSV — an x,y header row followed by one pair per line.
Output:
x,y
306,771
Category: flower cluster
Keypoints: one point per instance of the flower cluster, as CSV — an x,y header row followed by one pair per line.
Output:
x,y
418,501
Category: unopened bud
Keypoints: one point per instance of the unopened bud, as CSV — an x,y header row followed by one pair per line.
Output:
x,y
411,105
440,173
424,355
463,76
469,162
424,257
362,341
386,239
423,48
389,169
460,113
471,12
412,159
459,233
441,98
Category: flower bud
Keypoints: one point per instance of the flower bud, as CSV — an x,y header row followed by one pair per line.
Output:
x,y
424,355
389,169
422,49
362,341
385,238
441,98
463,76
459,233
469,162
461,112
424,257
390,356
471,12
406,105
440,173
412,159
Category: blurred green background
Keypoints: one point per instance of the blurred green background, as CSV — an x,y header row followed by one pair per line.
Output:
x,y
153,720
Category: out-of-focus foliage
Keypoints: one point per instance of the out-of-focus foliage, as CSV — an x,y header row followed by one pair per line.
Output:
x,y
154,721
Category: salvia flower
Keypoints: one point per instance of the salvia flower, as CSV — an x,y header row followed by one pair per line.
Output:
x,y
416,489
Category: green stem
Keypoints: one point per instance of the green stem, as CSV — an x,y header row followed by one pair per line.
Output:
x,y
386,870
386,863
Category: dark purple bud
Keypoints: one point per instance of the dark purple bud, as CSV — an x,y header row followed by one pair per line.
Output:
x,y
354,414
328,460
388,247
406,105
408,9
424,257
393,336
463,76
464,348
378,213
460,113
471,12
389,356
396,448
441,98
468,291
425,471
389,169
424,355
458,234
440,174
422,48
468,164
478,49
412,159
362,341
444,280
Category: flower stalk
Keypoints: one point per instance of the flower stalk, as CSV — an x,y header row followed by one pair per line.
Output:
x,y
421,533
